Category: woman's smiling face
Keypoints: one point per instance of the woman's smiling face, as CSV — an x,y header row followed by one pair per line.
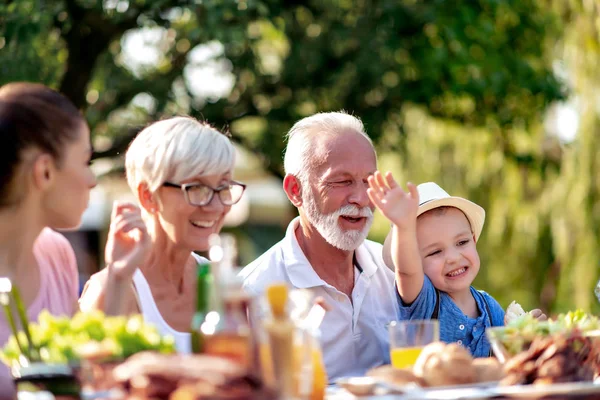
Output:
x,y
190,226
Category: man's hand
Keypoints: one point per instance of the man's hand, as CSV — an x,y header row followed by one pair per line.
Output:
x,y
398,206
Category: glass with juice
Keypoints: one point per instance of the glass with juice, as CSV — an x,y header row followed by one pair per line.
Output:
x,y
308,369
319,383
308,359
407,339
311,376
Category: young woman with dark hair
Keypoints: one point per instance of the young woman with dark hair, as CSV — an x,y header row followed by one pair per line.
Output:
x,y
45,181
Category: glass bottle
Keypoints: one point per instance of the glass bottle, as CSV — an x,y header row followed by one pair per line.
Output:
x,y
229,333
204,282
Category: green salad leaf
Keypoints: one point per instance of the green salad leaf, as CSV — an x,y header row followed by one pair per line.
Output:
x,y
64,340
518,334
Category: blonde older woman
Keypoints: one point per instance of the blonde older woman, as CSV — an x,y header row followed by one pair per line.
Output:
x,y
181,172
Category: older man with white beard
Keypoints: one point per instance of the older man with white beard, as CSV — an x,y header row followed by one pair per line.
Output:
x,y
327,162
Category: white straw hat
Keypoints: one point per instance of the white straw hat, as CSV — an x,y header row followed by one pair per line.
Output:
x,y
431,196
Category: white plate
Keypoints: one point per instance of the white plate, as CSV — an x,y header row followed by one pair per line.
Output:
x,y
412,386
478,385
468,391
534,391
449,394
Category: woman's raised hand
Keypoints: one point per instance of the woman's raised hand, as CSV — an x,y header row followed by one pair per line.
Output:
x,y
128,243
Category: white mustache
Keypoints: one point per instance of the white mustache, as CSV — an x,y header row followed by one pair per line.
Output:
x,y
354,211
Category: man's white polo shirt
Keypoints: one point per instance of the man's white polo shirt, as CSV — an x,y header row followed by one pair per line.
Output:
x,y
354,337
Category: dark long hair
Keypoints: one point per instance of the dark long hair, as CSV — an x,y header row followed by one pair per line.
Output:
x,y
32,116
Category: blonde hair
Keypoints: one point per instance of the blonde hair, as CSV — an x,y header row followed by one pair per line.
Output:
x,y
176,149
299,150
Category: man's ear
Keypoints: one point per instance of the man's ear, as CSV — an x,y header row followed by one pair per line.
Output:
x,y
43,171
293,189
146,198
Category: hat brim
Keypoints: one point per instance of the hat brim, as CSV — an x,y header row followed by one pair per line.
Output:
x,y
474,213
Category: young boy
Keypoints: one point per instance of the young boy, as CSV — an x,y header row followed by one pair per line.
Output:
x,y
432,245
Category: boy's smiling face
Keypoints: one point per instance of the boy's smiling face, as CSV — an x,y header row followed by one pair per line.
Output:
x,y
447,248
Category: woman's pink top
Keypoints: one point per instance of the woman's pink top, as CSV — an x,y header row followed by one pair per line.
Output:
x,y
59,280
59,289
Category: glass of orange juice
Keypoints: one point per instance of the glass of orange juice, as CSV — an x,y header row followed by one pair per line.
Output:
x,y
307,358
407,339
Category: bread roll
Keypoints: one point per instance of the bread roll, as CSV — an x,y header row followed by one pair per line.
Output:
x,y
453,365
428,351
399,377
488,369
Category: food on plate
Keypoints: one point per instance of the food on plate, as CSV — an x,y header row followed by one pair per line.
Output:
x,y
566,357
450,364
488,369
395,376
513,312
62,340
150,375
518,334
426,353
442,364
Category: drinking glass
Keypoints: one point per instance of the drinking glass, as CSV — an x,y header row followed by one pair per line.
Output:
x,y
407,339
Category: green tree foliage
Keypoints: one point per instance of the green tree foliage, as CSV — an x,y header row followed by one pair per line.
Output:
x,y
574,219
453,92
479,62
541,241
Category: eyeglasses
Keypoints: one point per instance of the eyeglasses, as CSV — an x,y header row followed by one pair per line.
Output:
x,y
197,194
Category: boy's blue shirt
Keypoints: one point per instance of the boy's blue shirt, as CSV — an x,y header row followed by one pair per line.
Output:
x,y
455,326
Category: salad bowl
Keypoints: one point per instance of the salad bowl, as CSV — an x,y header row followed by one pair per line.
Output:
x,y
517,336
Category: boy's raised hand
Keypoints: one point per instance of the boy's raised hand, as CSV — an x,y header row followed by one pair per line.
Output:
x,y
398,206
401,208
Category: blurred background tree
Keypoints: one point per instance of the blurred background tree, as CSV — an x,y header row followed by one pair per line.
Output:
x,y
473,95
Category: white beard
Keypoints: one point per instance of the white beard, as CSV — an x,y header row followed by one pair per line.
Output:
x,y
328,224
